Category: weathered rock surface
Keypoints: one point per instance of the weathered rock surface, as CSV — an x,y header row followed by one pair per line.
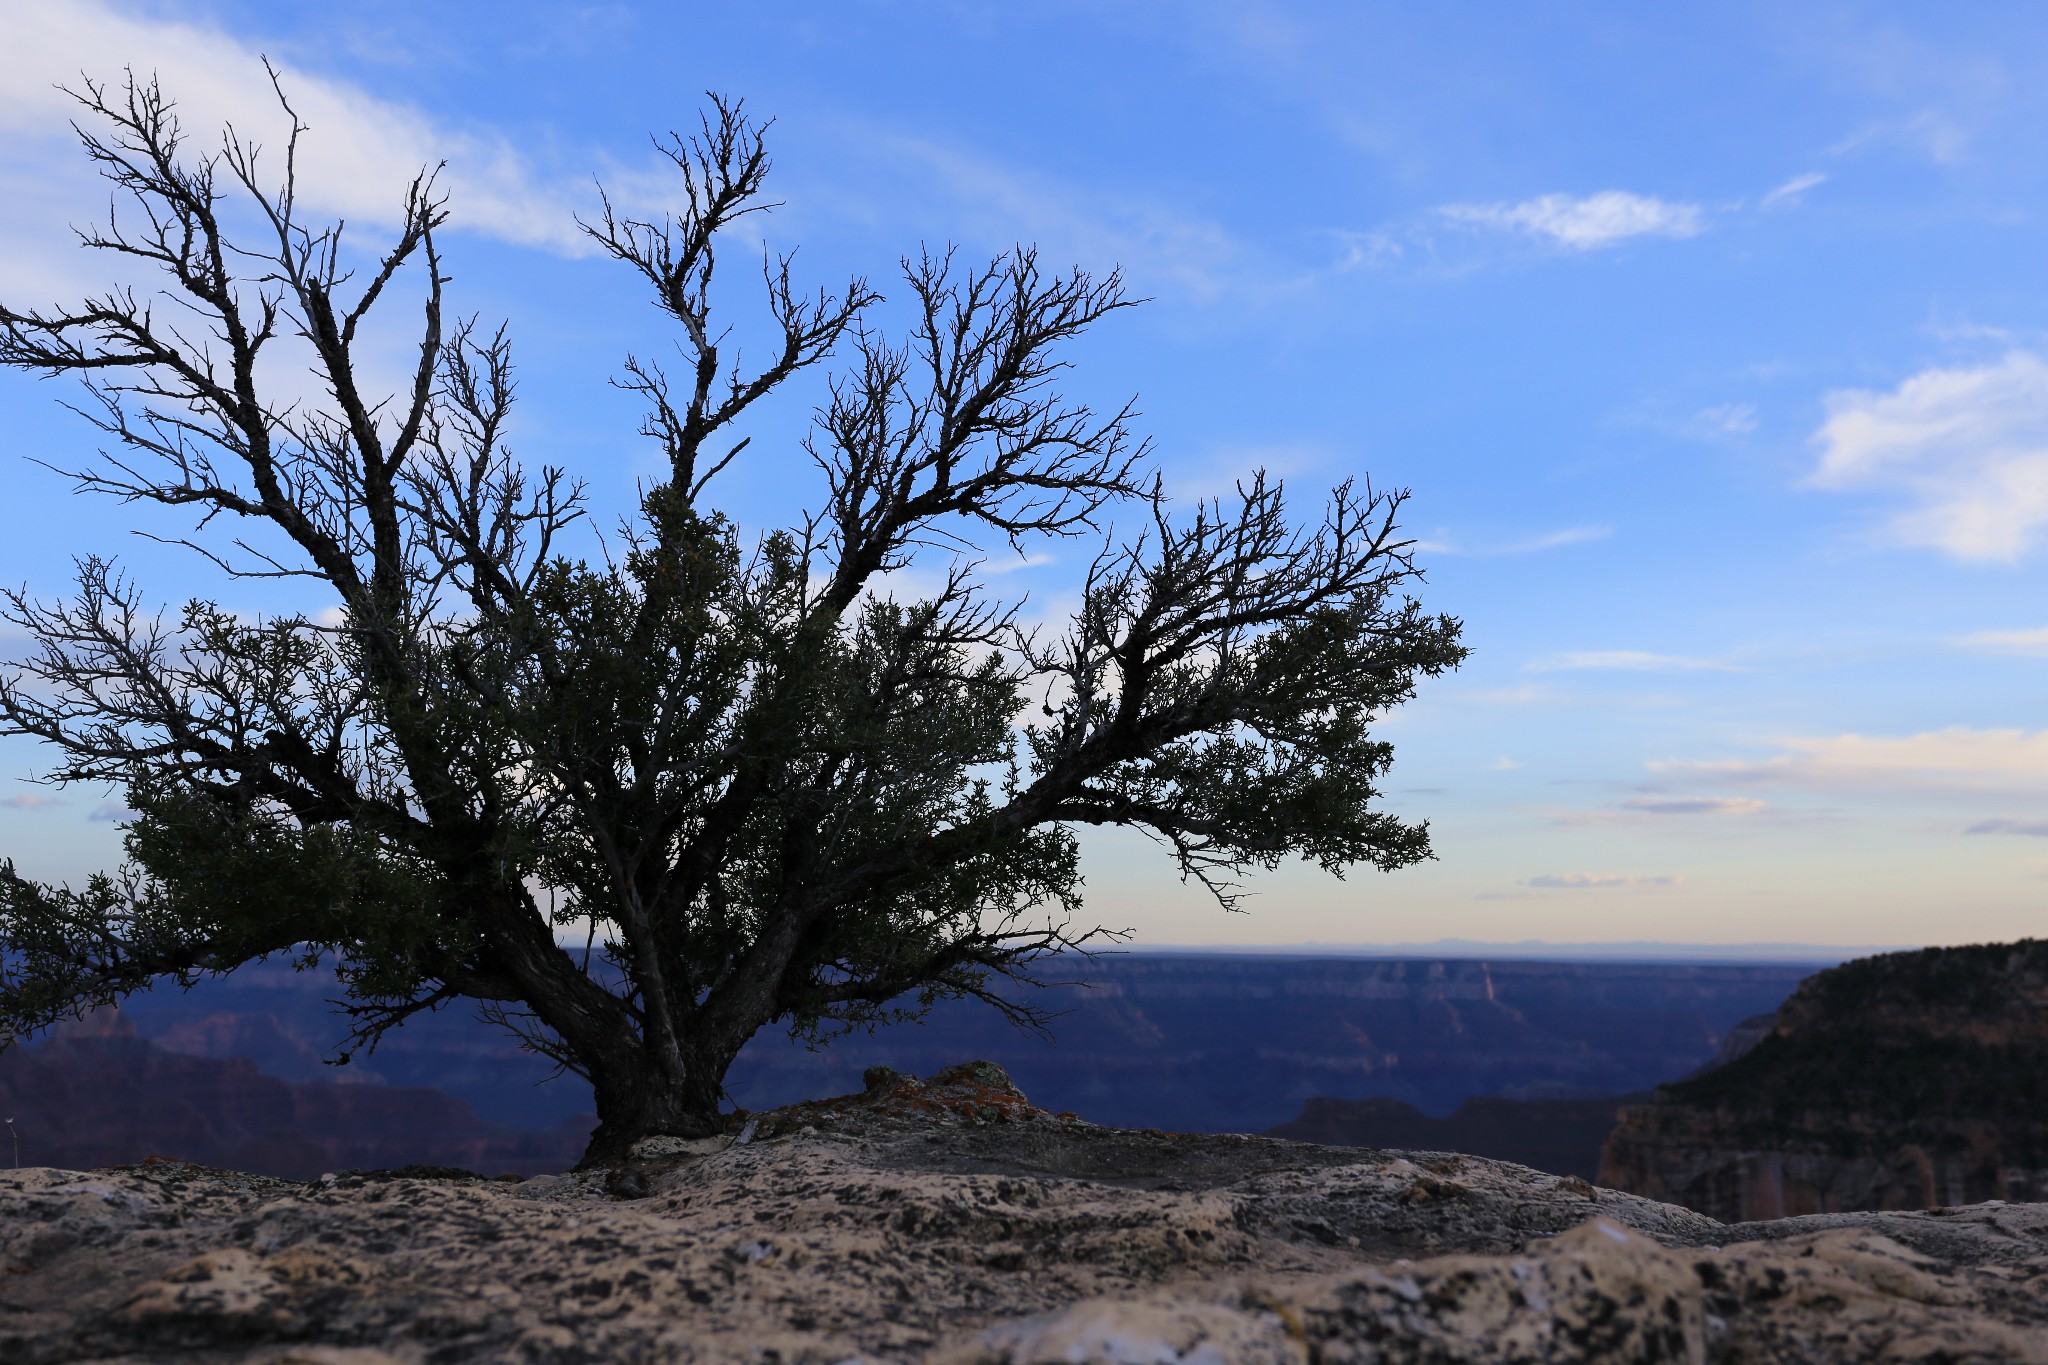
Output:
x,y
1596,1293
949,1220
1903,1081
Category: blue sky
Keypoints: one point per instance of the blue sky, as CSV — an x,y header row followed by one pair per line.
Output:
x,y
1711,340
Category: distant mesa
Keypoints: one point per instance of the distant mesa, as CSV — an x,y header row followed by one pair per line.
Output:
x,y
1906,1081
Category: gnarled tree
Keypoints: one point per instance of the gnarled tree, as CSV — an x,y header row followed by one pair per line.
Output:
x,y
641,807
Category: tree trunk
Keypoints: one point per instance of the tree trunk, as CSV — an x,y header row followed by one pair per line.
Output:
x,y
648,1096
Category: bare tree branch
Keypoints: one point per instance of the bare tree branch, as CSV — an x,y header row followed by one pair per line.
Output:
x,y
760,778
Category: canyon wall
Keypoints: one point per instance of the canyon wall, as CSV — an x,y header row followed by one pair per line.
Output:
x,y
1904,1081
95,1094
1563,1137
232,1072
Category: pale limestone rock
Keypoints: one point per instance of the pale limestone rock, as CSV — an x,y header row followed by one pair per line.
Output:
x,y
951,1221
1598,1293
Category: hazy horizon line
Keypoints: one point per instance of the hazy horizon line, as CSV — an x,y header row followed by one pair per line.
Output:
x,y
1628,950
1648,951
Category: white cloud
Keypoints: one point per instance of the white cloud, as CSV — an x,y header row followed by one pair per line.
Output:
x,y
2032,642
1014,563
1952,760
1503,764
30,801
1968,448
1788,194
355,161
1627,661
1584,223
1598,881
2036,829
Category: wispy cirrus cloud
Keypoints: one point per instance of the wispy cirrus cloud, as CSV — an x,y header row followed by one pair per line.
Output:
x,y
1014,563
1599,881
1789,194
1583,222
2032,642
1627,661
1954,760
1652,810
2035,829
1937,135
1694,805
1522,694
1966,448
1101,228
1722,422
1527,545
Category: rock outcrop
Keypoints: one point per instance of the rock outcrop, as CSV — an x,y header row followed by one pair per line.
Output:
x,y
949,1220
1905,1081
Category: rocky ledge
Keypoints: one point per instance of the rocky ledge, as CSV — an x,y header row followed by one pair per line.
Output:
x,y
949,1220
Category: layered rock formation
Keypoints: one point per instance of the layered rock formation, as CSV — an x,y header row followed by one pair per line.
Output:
x,y
1906,1081
950,1221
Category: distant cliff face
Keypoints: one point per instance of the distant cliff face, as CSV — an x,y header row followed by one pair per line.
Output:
x,y
1906,1081
1239,1043
1186,1043
1561,1136
97,1095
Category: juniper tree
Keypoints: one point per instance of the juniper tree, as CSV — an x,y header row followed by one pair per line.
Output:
x,y
642,802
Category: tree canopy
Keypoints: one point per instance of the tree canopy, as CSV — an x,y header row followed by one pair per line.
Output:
x,y
642,803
